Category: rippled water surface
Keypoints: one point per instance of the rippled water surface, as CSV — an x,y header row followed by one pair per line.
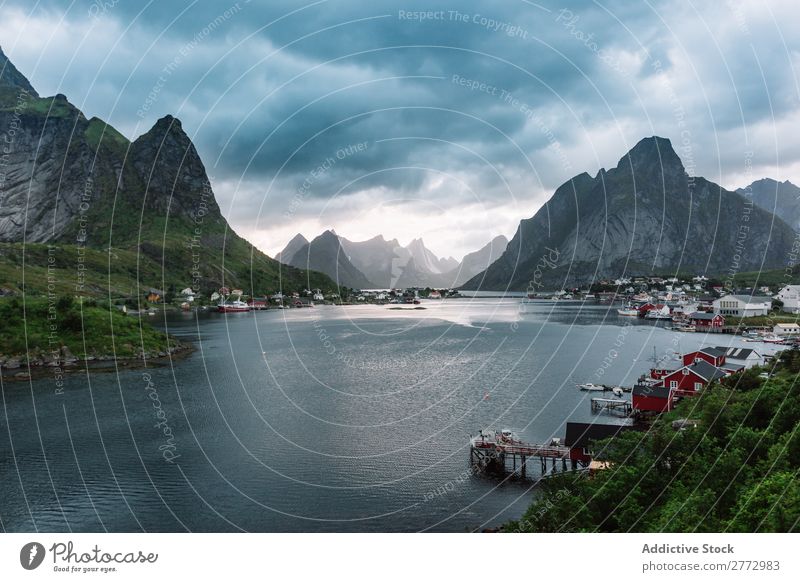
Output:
x,y
323,419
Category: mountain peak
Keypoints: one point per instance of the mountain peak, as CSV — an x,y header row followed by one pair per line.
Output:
x,y
167,125
172,170
655,152
12,79
298,241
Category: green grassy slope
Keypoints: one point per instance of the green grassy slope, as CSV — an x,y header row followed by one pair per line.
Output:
x,y
737,471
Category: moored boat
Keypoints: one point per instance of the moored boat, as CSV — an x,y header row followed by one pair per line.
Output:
x,y
662,312
233,306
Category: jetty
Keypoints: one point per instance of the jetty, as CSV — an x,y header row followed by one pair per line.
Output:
x,y
612,404
501,452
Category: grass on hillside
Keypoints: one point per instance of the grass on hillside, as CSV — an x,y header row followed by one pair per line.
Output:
x,y
124,273
737,471
86,328
44,106
99,132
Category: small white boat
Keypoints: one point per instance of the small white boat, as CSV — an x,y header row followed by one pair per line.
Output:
x,y
662,313
628,311
589,387
617,391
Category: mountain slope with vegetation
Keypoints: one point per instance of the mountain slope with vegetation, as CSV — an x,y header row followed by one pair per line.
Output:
x,y
736,471
80,186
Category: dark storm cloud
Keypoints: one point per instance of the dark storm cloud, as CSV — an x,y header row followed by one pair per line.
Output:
x,y
497,93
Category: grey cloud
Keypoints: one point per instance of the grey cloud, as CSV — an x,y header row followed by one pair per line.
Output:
x,y
238,95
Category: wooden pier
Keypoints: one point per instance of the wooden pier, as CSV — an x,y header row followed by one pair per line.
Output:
x,y
501,453
612,404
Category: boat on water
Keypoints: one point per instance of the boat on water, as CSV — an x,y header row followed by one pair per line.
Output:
x,y
589,387
660,313
234,306
628,311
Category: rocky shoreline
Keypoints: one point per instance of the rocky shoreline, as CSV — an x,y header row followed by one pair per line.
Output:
x,y
58,363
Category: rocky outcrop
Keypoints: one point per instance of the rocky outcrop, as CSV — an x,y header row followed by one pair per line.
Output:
x,y
173,176
644,216
45,168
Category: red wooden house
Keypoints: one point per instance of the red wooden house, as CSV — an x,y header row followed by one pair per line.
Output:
x,y
662,370
690,379
714,356
651,398
701,320
643,309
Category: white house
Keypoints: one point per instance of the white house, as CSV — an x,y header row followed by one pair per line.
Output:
x,y
786,329
188,294
742,305
743,356
790,295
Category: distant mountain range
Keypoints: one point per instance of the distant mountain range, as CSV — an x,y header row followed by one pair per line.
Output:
x,y
644,216
120,215
382,264
782,198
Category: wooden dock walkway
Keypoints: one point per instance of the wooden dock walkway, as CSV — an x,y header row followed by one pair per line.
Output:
x,y
612,404
501,453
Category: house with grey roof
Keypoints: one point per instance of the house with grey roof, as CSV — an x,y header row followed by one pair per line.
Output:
x,y
743,305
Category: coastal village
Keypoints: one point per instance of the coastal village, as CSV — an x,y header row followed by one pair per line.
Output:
x,y
688,307
654,393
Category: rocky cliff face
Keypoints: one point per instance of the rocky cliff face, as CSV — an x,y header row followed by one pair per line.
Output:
x,y
173,175
45,168
644,216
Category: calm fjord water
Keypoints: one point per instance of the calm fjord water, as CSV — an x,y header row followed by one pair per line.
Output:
x,y
323,419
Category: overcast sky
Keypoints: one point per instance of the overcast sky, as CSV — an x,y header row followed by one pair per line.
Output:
x,y
365,117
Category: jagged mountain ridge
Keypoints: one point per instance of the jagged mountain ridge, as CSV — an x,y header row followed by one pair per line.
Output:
x,y
325,254
387,264
382,261
71,181
645,215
